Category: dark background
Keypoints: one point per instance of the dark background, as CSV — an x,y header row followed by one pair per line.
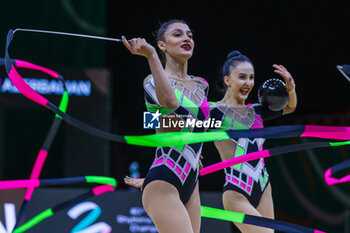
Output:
x,y
308,37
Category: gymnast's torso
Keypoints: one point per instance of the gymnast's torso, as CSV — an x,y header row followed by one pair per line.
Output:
x,y
248,178
178,165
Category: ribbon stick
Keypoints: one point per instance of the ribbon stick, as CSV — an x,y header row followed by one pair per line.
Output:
x,y
68,34
345,71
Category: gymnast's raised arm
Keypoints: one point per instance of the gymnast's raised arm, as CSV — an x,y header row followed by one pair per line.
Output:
x,y
164,90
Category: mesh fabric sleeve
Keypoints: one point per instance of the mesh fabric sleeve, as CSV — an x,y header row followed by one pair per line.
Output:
x,y
151,99
205,85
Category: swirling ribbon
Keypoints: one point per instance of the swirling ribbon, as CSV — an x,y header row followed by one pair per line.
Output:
x,y
172,139
108,183
268,153
43,152
336,168
35,183
101,189
209,212
181,138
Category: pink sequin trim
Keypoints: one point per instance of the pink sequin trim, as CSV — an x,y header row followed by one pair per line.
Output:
x,y
235,181
183,176
171,164
178,170
250,181
257,123
160,161
187,168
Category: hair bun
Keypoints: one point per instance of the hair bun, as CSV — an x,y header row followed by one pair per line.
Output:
x,y
234,53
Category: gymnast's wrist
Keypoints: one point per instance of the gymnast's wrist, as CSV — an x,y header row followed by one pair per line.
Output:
x,y
152,55
290,91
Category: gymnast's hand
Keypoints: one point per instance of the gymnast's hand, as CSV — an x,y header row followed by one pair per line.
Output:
x,y
137,183
281,70
290,85
139,46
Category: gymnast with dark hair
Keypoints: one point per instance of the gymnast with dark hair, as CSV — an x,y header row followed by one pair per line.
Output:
x,y
170,190
247,186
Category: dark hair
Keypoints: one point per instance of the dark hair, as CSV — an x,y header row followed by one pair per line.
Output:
x,y
233,59
159,34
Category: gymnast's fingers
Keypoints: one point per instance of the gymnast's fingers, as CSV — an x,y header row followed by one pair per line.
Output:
x,y
126,43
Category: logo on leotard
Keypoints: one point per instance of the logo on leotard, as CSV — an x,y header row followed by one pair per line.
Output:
x,y
151,120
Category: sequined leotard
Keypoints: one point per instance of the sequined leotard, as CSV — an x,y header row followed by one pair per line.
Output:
x,y
249,178
179,165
